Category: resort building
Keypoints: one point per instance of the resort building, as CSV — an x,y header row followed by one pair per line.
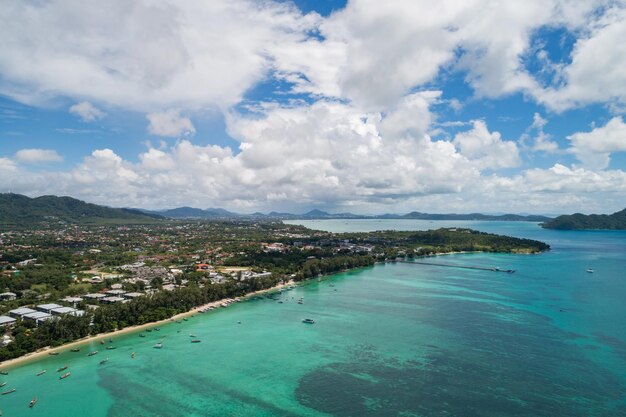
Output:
x,y
6,321
21,312
72,300
111,300
132,295
67,310
47,308
37,316
116,293
94,297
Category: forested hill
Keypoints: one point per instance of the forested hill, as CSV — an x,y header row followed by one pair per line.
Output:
x,y
615,221
19,210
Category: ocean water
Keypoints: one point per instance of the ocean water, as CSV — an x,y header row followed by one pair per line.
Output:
x,y
389,340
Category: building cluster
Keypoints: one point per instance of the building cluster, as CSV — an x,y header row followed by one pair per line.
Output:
x,y
39,314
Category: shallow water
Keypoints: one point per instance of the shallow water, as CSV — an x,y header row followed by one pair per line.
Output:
x,y
390,340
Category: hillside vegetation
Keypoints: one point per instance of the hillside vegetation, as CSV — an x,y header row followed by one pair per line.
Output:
x,y
19,210
578,221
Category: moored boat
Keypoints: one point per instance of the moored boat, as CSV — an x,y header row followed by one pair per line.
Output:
x,y
158,345
4,373
65,375
196,341
63,368
308,321
2,384
53,353
95,352
32,402
9,391
42,372
590,270
102,362
75,350
111,347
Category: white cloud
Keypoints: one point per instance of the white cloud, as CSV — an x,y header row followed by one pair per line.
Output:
x,y
487,149
170,123
595,74
34,156
87,111
142,55
594,148
541,141
7,166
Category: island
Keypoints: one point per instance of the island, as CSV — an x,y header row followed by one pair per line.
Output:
x,y
578,221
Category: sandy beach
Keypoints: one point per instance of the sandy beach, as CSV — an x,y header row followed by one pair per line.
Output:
x,y
11,363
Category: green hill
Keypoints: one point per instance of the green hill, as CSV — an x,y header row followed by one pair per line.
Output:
x,y
19,210
577,221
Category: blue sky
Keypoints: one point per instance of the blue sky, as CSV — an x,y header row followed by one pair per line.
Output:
x,y
355,106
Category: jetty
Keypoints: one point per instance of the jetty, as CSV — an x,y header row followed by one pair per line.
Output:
x,y
480,268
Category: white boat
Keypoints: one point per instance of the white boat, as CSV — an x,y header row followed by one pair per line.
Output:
x,y
590,270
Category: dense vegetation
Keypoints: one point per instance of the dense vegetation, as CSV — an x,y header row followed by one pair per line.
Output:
x,y
615,221
16,209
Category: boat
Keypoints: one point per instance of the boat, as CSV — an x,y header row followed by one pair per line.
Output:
x,y
196,341
111,347
4,373
32,402
53,353
75,350
9,391
185,319
102,342
63,368
157,329
42,372
65,375
192,335
95,352
308,321
2,384
300,302
132,355
142,335
148,330
158,345
102,362
590,270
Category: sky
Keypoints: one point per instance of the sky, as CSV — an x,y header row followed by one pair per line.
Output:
x,y
362,106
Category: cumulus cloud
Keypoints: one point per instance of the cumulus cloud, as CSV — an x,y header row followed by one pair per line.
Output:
x,y
34,156
170,123
142,55
87,111
595,74
487,149
594,148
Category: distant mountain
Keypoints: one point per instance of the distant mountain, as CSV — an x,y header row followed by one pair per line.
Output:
x,y
578,221
475,216
16,209
196,213
316,214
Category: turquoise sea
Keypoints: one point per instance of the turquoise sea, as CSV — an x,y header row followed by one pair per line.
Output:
x,y
390,340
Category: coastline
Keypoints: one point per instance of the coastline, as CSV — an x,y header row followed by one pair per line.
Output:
x,y
38,354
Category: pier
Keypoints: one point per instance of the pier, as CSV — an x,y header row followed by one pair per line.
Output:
x,y
480,268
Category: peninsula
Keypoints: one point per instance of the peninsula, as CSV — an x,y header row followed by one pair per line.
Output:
x,y
64,280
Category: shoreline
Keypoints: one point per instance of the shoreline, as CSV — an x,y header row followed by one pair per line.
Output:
x,y
38,354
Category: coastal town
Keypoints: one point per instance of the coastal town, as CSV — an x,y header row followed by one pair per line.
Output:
x,y
68,281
